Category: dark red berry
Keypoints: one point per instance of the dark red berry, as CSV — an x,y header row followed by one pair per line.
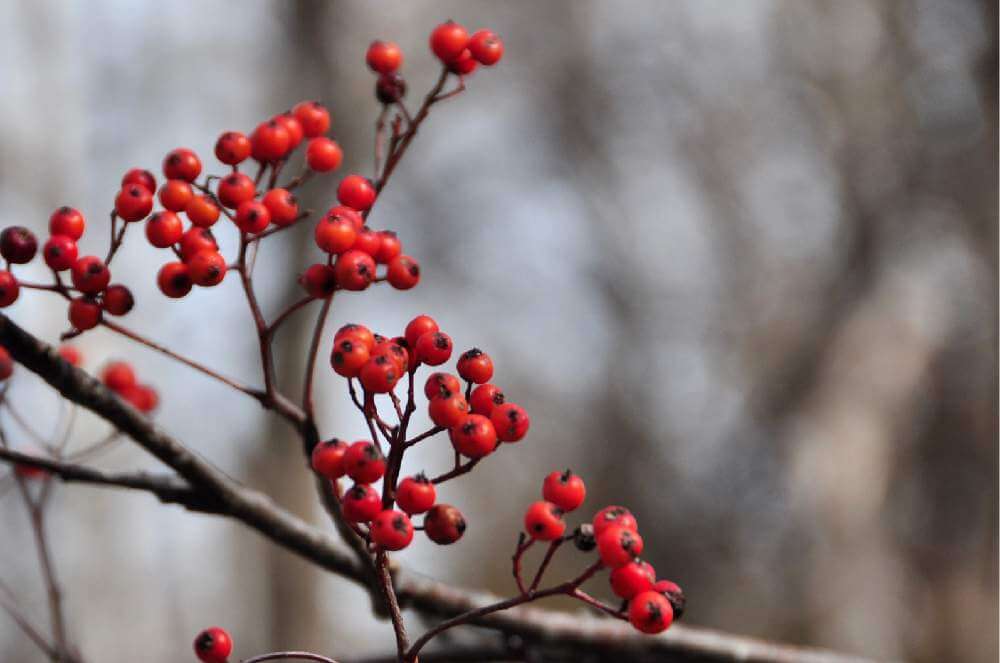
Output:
x,y
84,313
319,280
444,524
117,300
174,280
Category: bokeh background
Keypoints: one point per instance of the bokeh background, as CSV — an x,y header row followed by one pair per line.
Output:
x,y
738,259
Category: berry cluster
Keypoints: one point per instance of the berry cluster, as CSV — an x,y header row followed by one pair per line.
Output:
x,y
119,377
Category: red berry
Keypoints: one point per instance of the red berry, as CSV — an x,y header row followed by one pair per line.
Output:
x,y
351,215
355,270
313,116
207,268
674,594
213,645
390,88
389,247
633,578
293,127
394,352
164,229
323,154
392,530
444,524
419,326
319,280
283,205
486,47
433,348
511,422
236,188
90,275
543,521
485,398
448,411
464,64
84,313
202,211
269,142
335,234
118,376
174,280
475,366
384,57
618,546
133,202
474,437
140,177
196,240
416,494
328,458
361,503
60,252
363,462
448,40
117,300
181,164
141,397
360,332
367,241
442,385
232,148
252,216
9,289
71,354
650,612
67,221
614,515
175,195
6,364
356,192
379,375
18,245
564,489
403,272
348,356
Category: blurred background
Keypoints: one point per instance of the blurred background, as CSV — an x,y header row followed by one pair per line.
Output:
x,y
738,260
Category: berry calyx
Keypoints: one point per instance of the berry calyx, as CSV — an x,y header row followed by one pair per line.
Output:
x,y
392,530
84,313
564,489
213,645
543,521
444,524
650,612
416,494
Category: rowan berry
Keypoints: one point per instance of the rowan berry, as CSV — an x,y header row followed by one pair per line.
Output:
x,y
403,272
348,356
618,546
319,280
674,594
335,234
543,521
389,247
175,195
433,348
392,530
18,245
9,289
510,421
207,268
164,229
71,354
367,241
390,88
269,142
475,366
67,221
464,64
60,252
323,154
236,188
213,645
419,326
485,398
202,211
313,116
564,489
650,612
84,313
117,299
141,397
356,192
444,524
140,177
416,494
283,205
90,275
614,515
196,240
133,202
448,411
442,385
328,458
486,47
252,216
292,125
379,375
384,57
181,164
174,280
118,376
355,270
6,364
448,40
232,148
360,332
361,503
394,352
474,437
363,462
634,578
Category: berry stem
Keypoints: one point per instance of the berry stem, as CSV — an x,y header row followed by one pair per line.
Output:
x,y
284,315
553,547
307,388
385,579
523,544
456,471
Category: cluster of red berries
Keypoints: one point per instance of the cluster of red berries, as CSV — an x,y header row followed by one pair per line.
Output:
x,y
119,377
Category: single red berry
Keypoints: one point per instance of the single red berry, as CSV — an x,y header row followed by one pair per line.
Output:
x,y
202,211
213,645
356,192
164,229
419,326
433,348
363,462
511,422
90,275
335,234
71,354
379,375
633,578
60,252
133,202
18,245
403,272
67,221
614,515
141,397
389,247
650,612
174,280
323,154
390,88
207,268
464,64
475,366
486,47
6,364
384,57
182,164
175,195
564,489
232,148
474,437
9,289
118,376
485,398
293,127
355,270
269,142
236,188
328,458
117,299
283,205
313,116
392,530
351,215
448,40
319,280
360,332
448,411
395,353
252,216
367,241
543,521
674,594
416,494
140,177
84,313
444,524
442,384
361,503
196,240
348,356
618,546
